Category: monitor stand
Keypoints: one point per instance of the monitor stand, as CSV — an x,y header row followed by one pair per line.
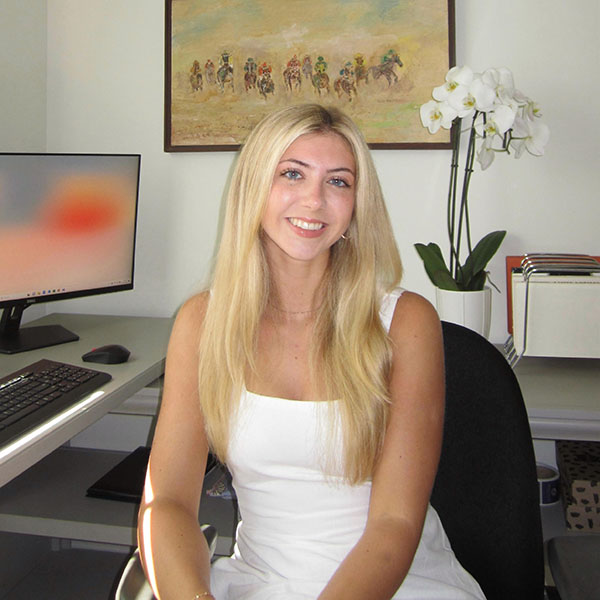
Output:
x,y
14,338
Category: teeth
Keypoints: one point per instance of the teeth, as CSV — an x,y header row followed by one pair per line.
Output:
x,y
304,225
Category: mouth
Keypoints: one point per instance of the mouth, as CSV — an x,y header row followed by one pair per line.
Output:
x,y
306,225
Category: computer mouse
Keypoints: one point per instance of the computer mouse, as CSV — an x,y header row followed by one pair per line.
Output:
x,y
107,355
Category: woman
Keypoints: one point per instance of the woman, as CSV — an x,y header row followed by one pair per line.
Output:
x,y
316,380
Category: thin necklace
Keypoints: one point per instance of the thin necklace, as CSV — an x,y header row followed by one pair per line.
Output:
x,y
294,312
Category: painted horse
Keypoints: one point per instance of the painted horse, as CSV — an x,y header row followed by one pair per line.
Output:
x,y
307,68
320,82
250,74
265,84
386,68
344,85
292,78
249,80
225,76
196,77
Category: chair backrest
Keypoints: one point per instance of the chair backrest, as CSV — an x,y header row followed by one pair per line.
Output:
x,y
486,487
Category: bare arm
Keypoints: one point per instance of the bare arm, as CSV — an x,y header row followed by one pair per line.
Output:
x,y
403,479
173,549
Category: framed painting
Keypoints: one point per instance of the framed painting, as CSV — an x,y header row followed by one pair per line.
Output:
x,y
229,63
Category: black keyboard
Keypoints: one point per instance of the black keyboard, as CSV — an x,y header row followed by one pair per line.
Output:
x,y
38,392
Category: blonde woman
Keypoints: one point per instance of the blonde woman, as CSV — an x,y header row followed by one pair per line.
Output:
x,y
315,380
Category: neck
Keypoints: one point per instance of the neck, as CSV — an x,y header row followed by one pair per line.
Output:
x,y
296,287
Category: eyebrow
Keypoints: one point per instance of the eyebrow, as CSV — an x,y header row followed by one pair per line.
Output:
x,y
303,164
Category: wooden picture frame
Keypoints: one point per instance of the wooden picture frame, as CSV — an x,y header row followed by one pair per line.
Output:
x,y
229,63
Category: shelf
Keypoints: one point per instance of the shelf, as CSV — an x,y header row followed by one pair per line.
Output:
x,y
561,397
49,500
71,574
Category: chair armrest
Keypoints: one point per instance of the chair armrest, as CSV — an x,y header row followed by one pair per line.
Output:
x,y
133,584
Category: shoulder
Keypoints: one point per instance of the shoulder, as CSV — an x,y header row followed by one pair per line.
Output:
x,y
412,304
190,318
193,310
414,318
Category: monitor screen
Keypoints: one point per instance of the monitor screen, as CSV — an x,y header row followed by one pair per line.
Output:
x,y
67,229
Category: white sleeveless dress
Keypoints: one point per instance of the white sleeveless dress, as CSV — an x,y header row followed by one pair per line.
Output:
x,y
297,525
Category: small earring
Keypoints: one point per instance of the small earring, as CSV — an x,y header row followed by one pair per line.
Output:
x,y
344,237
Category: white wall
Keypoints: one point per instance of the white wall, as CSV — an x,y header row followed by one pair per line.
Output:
x,y
23,75
105,63
23,87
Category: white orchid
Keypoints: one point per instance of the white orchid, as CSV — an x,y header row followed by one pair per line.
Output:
x,y
502,119
529,135
437,114
495,106
484,95
501,81
531,109
486,154
456,76
495,122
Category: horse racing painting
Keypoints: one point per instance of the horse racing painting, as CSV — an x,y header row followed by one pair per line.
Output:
x,y
228,63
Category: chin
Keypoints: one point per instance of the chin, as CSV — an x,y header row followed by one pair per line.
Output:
x,y
304,254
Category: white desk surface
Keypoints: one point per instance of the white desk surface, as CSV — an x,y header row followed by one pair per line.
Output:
x,y
562,397
145,337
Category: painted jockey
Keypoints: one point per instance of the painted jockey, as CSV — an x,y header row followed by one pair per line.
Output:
x,y
250,66
347,72
294,64
388,57
320,65
265,70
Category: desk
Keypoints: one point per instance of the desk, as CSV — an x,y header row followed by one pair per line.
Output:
x,y
43,489
48,498
562,397
145,337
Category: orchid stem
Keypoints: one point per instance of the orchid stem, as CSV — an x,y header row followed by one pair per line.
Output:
x,y
463,215
451,212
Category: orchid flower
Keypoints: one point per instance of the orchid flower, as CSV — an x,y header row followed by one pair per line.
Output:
x,y
497,121
529,135
437,114
484,95
466,99
485,156
501,81
456,76
531,109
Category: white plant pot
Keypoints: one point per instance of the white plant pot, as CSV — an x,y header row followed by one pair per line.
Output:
x,y
470,309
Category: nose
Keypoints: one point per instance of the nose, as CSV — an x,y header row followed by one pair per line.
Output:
x,y
315,195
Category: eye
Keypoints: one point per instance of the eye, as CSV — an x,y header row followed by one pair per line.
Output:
x,y
339,182
292,174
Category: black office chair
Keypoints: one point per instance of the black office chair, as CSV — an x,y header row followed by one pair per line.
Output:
x,y
486,490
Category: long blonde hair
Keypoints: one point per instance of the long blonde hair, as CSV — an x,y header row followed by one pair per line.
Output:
x,y
351,356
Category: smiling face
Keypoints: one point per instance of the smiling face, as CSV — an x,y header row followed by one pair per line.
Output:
x,y
312,197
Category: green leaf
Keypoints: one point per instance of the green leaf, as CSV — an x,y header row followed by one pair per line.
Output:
x,y
477,282
435,266
463,276
445,281
474,267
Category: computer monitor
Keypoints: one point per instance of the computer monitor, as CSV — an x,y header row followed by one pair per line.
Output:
x,y
67,229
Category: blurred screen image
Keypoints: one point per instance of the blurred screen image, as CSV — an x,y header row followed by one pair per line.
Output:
x,y
67,223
